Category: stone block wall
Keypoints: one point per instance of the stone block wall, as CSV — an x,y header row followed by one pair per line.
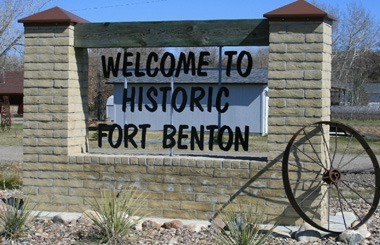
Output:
x,y
60,175
299,83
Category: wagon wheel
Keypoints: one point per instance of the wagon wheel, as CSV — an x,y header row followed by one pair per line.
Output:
x,y
321,167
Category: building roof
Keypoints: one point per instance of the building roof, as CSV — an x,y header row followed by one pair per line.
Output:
x,y
257,76
298,10
12,83
53,15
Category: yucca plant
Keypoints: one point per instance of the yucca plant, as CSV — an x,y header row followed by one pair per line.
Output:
x,y
242,227
115,213
14,216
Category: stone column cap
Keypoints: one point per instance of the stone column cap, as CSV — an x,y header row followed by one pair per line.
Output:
x,y
53,15
298,10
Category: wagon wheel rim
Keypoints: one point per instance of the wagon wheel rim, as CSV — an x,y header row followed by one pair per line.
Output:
x,y
334,175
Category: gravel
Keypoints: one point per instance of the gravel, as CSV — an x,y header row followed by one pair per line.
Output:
x,y
45,230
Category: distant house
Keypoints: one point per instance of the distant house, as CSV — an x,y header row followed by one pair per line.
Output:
x,y
11,89
373,92
247,99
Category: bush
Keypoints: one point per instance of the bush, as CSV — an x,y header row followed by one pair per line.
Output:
x,y
14,217
115,213
242,227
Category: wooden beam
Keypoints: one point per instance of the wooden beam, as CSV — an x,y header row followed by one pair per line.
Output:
x,y
172,34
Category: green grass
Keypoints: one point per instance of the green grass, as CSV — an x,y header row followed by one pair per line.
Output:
x,y
10,175
12,137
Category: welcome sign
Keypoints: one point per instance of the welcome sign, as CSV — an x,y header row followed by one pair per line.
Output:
x,y
154,99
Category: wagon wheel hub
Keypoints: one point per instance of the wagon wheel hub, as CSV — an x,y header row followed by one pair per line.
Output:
x,y
332,176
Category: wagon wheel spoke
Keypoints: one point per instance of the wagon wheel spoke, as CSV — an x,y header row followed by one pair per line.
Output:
x,y
315,152
336,146
325,144
307,155
354,158
298,166
348,203
354,191
345,151
320,202
341,206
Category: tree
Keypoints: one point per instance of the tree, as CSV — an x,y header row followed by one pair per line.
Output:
x,y
10,31
356,36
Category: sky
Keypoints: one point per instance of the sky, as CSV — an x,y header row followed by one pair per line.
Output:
x,y
160,10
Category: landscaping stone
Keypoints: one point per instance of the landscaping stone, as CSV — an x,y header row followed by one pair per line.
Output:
x,y
57,219
175,224
363,229
306,233
150,224
350,237
217,224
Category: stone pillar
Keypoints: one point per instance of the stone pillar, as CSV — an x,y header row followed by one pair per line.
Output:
x,y
55,104
299,78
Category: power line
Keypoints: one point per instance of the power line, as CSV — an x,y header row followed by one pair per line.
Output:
x,y
119,5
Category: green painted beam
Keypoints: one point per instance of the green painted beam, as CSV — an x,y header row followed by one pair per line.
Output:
x,y
173,34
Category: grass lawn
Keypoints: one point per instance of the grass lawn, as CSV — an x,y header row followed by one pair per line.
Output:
x,y
12,137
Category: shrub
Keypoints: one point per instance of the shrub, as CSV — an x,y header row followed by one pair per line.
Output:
x,y
115,213
14,216
242,227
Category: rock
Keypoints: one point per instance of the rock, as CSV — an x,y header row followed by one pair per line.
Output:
x,y
217,224
175,224
363,229
307,233
58,220
150,224
195,227
306,226
85,217
350,237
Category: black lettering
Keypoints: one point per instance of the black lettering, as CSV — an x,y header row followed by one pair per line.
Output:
x,y
111,67
170,72
127,99
119,137
212,129
152,90
151,56
196,99
127,63
175,98
226,92
138,73
186,64
101,127
181,136
143,134
240,140
209,99
229,139
128,137
168,134
249,64
202,63
141,98
229,54
164,91
197,139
